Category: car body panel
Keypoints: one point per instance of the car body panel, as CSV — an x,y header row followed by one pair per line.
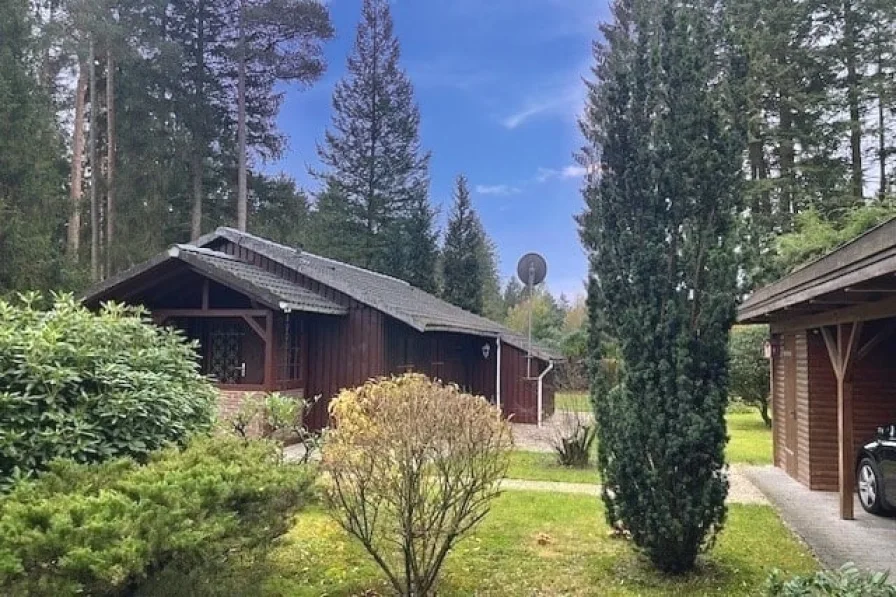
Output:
x,y
882,451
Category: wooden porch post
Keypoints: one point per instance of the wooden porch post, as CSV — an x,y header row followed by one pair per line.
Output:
x,y
269,351
841,350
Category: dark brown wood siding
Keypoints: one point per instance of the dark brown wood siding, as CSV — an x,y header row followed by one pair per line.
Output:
x,y
874,387
452,358
343,351
779,372
519,391
801,387
874,403
822,449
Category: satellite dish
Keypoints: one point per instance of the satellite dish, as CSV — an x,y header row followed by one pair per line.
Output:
x,y
532,269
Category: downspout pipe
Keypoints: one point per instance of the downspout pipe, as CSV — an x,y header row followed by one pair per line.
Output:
x,y
547,370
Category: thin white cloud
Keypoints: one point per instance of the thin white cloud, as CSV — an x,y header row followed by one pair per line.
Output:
x,y
561,96
565,173
496,189
519,117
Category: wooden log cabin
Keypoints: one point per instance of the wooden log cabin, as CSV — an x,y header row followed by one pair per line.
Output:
x,y
273,318
833,359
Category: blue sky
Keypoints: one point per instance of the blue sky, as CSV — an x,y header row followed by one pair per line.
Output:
x,y
499,84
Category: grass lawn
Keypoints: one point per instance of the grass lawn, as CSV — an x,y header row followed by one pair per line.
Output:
x,y
751,440
750,443
531,544
542,466
572,401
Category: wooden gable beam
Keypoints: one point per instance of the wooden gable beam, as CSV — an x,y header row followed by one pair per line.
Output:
x,y
871,310
842,351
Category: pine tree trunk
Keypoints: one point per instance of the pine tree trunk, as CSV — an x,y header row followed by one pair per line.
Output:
x,y
196,220
94,175
852,92
242,191
882,147
76,192
111,144
787,161
881,124
198,159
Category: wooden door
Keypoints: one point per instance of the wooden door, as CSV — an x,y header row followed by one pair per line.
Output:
x,y
788,358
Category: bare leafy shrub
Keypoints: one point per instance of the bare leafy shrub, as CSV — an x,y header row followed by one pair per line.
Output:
x,y
573,439
412,466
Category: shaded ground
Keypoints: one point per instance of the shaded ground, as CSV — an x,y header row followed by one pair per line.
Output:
x,y
869,541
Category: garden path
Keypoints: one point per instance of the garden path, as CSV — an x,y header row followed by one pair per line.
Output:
x,y
740,491
869,541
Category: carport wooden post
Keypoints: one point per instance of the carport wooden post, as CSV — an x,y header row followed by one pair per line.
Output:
x,y
841,350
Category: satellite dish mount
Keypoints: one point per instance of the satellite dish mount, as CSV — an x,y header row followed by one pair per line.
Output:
x,y
532,270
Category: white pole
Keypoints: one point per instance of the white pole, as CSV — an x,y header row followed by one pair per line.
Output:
x,y
541,391
498,373
531,298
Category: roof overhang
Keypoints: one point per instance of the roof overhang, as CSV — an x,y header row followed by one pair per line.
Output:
x,y
858,277
116,287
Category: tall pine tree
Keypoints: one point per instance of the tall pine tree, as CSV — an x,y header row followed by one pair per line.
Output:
x,y
374,160
462,256
659,229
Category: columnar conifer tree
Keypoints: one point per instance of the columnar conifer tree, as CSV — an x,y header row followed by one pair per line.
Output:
x,y
659,229
462,266
374,160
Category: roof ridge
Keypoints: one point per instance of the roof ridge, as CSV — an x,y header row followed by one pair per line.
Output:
x,y
205,251
302,252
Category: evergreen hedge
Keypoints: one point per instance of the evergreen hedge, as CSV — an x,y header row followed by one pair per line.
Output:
x,y
118,527
92,387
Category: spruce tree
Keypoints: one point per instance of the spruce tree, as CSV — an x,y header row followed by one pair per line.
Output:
x,y
374,160
659,229
462,266
418,250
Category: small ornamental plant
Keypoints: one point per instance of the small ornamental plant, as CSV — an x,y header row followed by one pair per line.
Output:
x,y
412,466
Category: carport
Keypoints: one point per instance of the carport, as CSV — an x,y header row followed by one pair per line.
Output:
x,y
833,359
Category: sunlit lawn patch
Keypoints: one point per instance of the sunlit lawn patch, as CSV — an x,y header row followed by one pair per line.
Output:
x,y
751,440
750,443
572,401
543,466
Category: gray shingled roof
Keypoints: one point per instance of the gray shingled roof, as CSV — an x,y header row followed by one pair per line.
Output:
x,y
412,306
280,293
255,282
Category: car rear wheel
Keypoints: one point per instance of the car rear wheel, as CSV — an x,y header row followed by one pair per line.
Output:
x,y
868,486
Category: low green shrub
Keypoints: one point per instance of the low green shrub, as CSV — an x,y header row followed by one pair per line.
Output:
x,y
93,386
277,416
111,528
848,581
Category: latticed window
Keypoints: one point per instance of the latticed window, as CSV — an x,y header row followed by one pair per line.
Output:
x,y
290,361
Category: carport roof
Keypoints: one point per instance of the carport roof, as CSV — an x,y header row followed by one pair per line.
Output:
x,y
860,272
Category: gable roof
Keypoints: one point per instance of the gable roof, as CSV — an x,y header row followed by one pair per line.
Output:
x,y
398,299
255,282
843,270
